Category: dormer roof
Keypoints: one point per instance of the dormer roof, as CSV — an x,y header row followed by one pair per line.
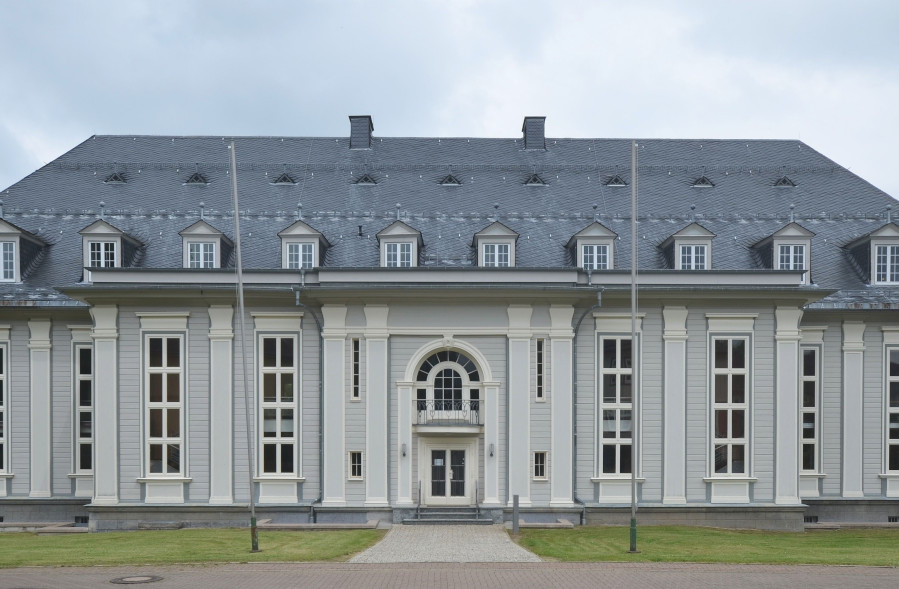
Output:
x,y
495,229
889,231
790,230
7,228
103,227
302,229
594,229
693,230
203,229
399,229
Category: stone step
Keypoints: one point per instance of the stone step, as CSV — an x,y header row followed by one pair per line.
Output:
x,y
448,522
449,514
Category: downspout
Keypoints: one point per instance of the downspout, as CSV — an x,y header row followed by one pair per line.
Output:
x,y
321,396
574,403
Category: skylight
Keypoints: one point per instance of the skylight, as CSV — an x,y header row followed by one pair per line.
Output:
x,y
114,178
450,180
535,180
784,182
366,179
703,182
197,178
616,180
284,179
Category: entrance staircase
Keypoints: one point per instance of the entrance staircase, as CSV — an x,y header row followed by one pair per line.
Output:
x,y
442,516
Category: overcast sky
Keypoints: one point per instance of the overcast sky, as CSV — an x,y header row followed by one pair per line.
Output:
x,y
823,71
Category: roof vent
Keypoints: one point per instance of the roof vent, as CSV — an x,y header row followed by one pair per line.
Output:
x,y
366,180
703,182
360,132
284,179
533,129
616,180
450,180
535,180
114,178
784,182
197,178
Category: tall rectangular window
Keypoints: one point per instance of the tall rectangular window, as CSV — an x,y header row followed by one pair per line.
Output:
x,y
84,408
595,257
102,254
399,255
4,409
892,412
278,404
692,257
356,368
201,254
300,255
539,465
540,367
355,465
8,252
809,415
165,404
887,263
497,255
730,405
791,257
616,405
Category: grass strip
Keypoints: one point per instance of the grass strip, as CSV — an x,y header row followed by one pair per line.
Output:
x,y
871,547
181,546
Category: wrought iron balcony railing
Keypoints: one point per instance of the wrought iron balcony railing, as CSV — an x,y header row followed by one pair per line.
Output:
x,y
447,413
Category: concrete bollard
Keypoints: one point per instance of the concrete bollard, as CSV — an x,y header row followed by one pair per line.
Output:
x,y
514,514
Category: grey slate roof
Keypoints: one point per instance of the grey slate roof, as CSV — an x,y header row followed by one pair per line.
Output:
x,y
154,204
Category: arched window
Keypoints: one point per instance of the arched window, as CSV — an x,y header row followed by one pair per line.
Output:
x,y
447,389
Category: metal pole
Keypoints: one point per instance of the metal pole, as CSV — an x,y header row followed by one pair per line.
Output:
x,y
515,514
634,367
254,535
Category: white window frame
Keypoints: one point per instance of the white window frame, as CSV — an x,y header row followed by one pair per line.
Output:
x,y
496,255
9,268
4,411
83,380
278,405
300,255
540,466
540,369
810,410
165,406
352,465
728,406
595,256
105,248
692,252
620,436
889,252
355,369
202,254
786,257
891,410
398,254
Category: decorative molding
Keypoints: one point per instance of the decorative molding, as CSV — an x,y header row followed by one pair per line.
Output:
x,y
271,321
165,320
733,322
617,322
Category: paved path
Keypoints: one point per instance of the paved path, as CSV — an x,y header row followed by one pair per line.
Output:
x,y
454,575
446,544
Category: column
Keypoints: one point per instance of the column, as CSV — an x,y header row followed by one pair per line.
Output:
x,y
334,338
221,467
519,403
404,445
853,377
674,459
106,408
39,352
560,337
377,420
491,441
786,473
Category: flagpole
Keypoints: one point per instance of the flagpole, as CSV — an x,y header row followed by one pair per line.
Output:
x,y
634,368
254,535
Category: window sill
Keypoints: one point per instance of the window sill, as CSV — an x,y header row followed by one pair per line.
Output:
x,y
171,479
540,479
80,475
730,479
883,475
615,477
6,475
816,475
279,478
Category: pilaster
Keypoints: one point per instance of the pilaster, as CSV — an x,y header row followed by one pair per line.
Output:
x,y
519,403
377,418
106,405
853,387
561,336
221,338
334,341
786,456
674,459
41,424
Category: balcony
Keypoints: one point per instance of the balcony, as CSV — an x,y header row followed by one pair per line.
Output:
x,y
447,416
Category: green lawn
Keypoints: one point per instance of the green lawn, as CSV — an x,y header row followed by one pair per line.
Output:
x,y
180,546
683,544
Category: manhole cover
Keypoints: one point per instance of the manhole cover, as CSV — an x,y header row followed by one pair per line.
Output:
x,y
136,579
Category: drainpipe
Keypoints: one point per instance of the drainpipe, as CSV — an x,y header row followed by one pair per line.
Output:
x,y
577,326
321,396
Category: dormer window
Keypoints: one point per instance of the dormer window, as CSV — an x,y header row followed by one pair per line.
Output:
x,y
107,246
204,246
102,254
791,257
787,249
400,245
876,255
593,247
886,264
496,255
495,246
19,252
689,249
8,252
301,247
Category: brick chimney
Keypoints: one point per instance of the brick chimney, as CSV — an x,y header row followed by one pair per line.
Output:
x,y
533,130
360,132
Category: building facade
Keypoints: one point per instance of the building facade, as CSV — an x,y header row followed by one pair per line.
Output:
x,y
446,321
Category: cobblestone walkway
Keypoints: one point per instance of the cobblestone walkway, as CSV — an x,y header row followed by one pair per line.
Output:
x,y
446,544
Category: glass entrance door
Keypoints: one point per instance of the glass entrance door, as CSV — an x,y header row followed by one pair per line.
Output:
x,y
452,472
